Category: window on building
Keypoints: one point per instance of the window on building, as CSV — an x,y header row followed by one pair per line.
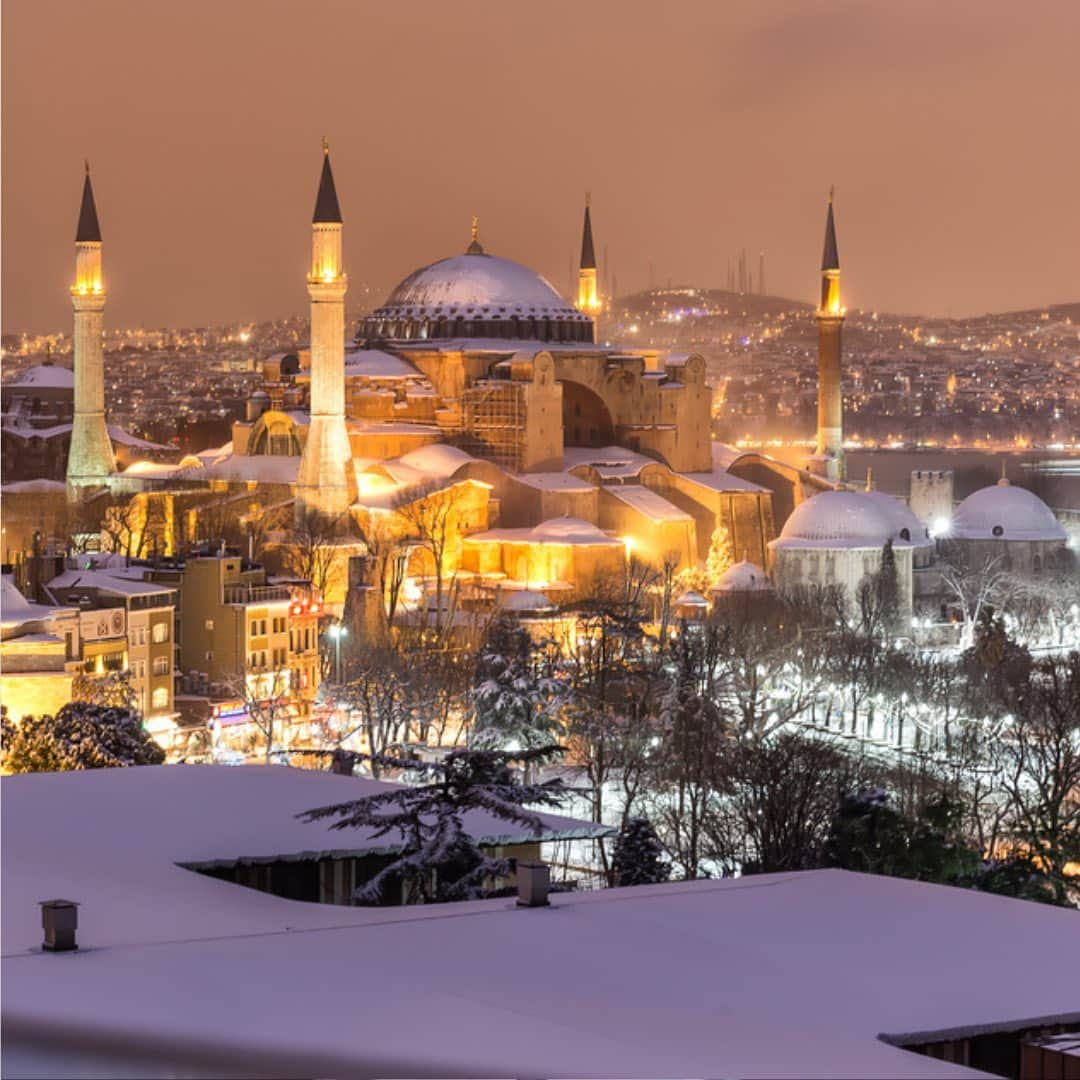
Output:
x,y
160,633
161,665
160,698
209,624
262,627
254,627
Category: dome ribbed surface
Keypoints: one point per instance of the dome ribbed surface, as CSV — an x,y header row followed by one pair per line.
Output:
x,y
844,517
477,295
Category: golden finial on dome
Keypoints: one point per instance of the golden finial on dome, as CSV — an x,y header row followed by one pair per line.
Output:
x,y
474,247
325,145
1004,481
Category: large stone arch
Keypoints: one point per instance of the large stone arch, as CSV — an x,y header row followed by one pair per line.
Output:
x,y
587,420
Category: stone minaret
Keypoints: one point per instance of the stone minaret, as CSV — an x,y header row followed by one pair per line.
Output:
x,y
90,456
323,486
588,302
828,460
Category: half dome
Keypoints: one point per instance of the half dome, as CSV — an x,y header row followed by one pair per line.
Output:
x,y
476,296
743,576
1004,512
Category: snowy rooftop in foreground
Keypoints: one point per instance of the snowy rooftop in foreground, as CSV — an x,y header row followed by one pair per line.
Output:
x,y
780,975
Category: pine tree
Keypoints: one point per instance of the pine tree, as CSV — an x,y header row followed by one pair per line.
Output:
x,y
720,557
638,855
439,860
888,585
79,736
518,698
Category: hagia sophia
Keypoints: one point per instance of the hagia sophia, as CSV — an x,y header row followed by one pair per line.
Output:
x,y
474,420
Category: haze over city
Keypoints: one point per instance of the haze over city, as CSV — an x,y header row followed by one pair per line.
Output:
x,y
944,127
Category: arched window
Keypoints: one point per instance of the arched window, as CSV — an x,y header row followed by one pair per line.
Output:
x,y
905,534
1036,564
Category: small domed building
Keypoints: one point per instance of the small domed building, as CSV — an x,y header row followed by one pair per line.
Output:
x,y
1010,523
837,539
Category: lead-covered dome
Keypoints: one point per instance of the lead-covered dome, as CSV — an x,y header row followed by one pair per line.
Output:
x,y
476,295
1004,512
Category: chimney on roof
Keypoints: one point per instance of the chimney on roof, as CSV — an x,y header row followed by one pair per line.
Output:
x,y
534,884
59,919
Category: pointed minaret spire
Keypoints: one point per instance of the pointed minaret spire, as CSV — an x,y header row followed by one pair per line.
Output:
x,y
588,254
475,247
588,298
90,460
327,211
830,259
325,485
88,230
828,459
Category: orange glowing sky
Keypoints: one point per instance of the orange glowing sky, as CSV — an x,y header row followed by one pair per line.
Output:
x,y
949,129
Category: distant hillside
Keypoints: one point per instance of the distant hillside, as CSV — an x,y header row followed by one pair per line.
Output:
x,y
720,301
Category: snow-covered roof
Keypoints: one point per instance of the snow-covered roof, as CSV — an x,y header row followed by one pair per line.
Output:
x,y
561,530
743,576
569,530
475,285
187,815
553,481
264,468
111,581
35,487
1018,513
44,376
524,600
436,460
847,519
16,610
376,364
610,462
719,480
125,438
648,503
780,975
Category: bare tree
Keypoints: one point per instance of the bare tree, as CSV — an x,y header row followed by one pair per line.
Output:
x,y
269,704
974,587
310,552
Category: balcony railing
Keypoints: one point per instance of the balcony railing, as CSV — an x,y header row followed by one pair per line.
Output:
x,y
257,594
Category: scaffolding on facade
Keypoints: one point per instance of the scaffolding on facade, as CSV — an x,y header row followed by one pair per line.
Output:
x,y
494,422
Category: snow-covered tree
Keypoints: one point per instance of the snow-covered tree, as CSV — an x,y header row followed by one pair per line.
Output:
x,y
638,858
79,736
517,698
438,859
112,690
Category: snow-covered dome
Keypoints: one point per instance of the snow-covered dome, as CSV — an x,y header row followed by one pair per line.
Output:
x,y
837,519
569,530
526,601
45,376
1004,512
476,296
743,576
693,599
906,526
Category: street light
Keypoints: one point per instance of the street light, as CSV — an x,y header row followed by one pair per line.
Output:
x,y
337,632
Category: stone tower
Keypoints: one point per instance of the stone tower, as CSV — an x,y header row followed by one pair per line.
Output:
x,y
588,302
322,485
90,456
828,459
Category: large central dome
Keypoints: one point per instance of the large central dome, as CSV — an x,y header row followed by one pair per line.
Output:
x,y
476,295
